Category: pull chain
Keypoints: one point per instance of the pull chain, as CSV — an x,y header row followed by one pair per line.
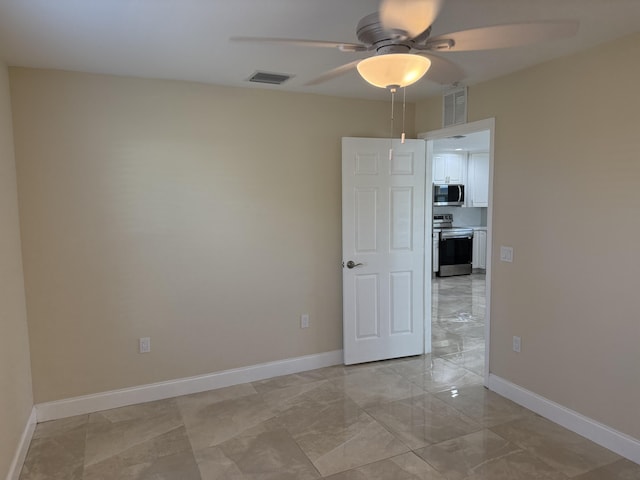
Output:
x,y
393,96
404,110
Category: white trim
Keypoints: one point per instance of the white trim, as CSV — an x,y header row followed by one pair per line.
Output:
x,y
465,129
183,386
428,245
618,442
23,447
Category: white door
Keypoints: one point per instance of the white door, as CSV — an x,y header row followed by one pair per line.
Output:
x,y
383,208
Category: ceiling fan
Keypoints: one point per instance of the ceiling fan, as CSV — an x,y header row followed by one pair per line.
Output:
x,y
399,34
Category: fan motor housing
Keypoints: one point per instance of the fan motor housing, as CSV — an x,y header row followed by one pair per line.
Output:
x,y
371,32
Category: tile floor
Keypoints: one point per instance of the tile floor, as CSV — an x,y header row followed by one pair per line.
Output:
x,y
420,418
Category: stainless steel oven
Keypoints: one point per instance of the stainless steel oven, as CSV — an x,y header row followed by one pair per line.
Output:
x,y
455,247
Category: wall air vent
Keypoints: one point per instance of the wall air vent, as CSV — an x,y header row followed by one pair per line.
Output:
x,y
454,103
270,78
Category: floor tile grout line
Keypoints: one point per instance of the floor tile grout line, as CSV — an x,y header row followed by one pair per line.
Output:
x,y
291,435
531,452
293,438
86,441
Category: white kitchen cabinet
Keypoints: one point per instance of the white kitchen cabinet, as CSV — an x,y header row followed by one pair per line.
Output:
x,y
439,169
478,181
449,168
479,254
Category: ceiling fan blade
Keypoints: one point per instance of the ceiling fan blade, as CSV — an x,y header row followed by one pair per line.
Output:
x,y
443,71
336,72
345,47
409,17
503,36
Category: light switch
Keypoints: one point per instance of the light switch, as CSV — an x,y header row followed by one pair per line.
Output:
x,y
144,344
506,254
517,344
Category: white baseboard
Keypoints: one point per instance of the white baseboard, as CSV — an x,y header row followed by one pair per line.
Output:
x,y
618,442
183,386
23,447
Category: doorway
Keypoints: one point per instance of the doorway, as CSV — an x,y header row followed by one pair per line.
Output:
x,y
458,305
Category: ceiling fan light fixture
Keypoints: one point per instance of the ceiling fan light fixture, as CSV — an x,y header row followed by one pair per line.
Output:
x,y
393,70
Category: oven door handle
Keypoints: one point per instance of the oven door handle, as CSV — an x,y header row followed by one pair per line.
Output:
x,y
460,193
451,236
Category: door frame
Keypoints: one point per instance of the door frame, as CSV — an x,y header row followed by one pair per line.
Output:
x,y
465,129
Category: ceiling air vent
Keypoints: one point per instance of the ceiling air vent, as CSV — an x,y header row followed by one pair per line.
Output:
x,y
454,111
270,78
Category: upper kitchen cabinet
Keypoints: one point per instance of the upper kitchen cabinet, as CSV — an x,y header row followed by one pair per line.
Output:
x,y
478,185
450,168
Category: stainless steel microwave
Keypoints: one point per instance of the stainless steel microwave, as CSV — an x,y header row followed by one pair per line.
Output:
x,y
451,195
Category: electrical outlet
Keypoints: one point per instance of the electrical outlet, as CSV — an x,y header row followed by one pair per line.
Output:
x,y
506,254
145,344
304,320
516,344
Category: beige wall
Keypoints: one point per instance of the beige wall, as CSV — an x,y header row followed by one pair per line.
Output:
x,y
207,218
567,198
15,376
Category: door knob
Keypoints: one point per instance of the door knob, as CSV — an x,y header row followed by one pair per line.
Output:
x,y
352,264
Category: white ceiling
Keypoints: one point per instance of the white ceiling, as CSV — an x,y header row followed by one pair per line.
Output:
x,y
188,39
